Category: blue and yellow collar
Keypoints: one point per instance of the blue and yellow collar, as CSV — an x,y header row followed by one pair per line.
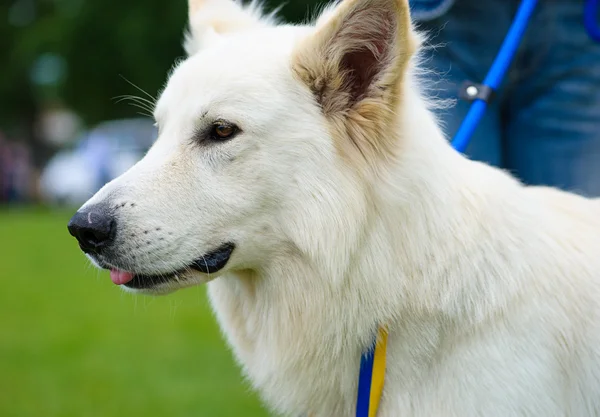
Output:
x,y
371,377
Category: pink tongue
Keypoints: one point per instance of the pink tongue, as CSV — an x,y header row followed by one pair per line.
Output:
x,y
120,277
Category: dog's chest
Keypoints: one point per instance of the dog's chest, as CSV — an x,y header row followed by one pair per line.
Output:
x,y
295,366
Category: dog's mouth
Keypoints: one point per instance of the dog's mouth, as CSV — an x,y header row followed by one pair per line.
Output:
x,y
210,263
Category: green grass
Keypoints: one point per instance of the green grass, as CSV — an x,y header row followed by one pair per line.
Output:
x,y
73,344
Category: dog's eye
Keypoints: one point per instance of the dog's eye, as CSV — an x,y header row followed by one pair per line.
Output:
x,y
223,131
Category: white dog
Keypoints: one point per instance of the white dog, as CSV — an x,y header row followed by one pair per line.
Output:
x,y
299,171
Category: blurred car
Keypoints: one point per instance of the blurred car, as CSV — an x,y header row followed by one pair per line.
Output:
x,y
102,154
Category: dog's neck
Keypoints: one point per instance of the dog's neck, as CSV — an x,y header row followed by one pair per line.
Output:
x,y
313,308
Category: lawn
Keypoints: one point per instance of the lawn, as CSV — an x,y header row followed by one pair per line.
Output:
x,y
73,344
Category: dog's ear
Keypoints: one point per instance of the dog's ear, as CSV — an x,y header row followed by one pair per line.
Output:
x,y
210,19
354,64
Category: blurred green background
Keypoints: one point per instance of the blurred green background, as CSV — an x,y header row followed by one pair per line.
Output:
x,y
72,343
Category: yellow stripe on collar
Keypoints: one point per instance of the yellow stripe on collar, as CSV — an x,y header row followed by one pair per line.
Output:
x,y
372,376
378,374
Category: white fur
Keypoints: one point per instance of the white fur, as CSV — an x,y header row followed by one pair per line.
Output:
x,y
490,290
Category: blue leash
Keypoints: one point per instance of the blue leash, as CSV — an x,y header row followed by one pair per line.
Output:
x,y
482,94
590,19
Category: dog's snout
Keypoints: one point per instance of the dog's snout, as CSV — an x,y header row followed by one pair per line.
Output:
x,y
93,227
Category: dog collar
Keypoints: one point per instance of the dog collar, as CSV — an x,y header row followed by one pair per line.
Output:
x,y
372,375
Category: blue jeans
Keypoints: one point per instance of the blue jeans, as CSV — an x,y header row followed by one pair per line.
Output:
x,y
544,123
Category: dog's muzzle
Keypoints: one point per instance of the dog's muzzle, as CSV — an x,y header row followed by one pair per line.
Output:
x,y
95,228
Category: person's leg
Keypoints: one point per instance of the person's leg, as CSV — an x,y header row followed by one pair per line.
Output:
x,y
462,45
553,114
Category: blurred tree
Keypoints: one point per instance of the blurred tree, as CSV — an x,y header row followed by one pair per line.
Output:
x,y
138,40
77,51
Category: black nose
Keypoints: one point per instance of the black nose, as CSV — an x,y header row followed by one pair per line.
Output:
x,y
94,228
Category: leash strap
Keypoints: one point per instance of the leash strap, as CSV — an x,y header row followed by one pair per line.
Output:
x,y
590,16
494,77
372,375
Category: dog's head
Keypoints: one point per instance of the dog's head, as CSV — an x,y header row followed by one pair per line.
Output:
x,y
266,135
